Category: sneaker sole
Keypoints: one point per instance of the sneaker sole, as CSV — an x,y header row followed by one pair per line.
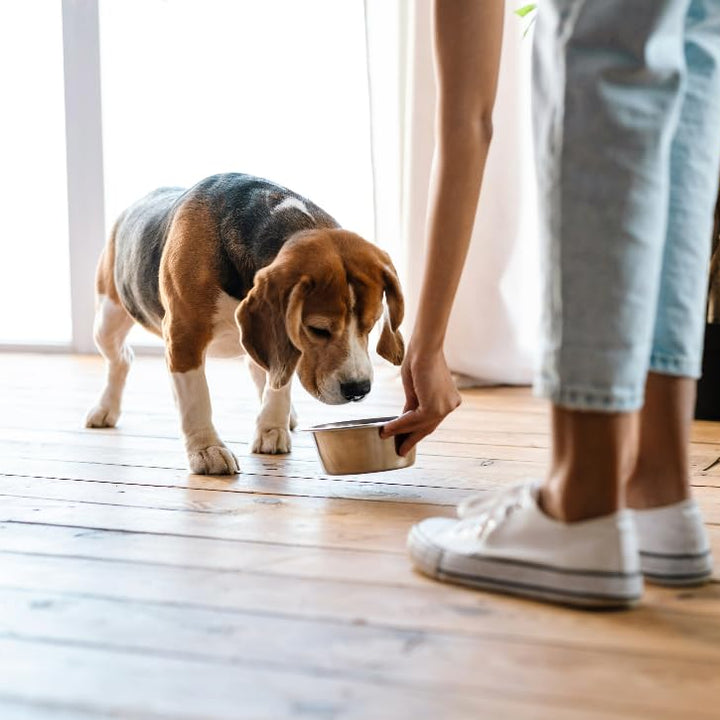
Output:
x,y
567,587
677,570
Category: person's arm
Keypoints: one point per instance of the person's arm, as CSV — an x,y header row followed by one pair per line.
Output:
x,y
467,41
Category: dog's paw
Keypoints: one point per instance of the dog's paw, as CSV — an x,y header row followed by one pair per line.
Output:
x,y
213,460
272,441
102,417
293,421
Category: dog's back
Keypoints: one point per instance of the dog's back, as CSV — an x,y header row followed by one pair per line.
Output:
x,y
251,219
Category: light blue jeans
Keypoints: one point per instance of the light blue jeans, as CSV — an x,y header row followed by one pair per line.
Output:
x,y
627,135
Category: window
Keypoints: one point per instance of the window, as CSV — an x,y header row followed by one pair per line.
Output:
x,y
275,88
34,266
189,88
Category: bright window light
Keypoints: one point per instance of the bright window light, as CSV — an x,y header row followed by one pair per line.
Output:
x,y
275,88
34,257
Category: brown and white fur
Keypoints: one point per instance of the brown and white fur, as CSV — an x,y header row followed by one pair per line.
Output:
x,y
238,265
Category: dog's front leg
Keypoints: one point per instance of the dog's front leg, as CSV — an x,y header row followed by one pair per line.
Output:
x,y
207,454
259,378
272,433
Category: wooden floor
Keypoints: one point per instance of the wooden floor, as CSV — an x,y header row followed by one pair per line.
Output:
x,y
130,589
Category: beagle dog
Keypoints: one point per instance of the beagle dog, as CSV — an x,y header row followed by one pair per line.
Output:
x,y
238,265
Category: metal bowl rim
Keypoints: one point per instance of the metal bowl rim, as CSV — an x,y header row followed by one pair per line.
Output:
x,y
359,424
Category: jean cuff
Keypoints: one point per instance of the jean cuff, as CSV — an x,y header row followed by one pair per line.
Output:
x,y
590,399
674,365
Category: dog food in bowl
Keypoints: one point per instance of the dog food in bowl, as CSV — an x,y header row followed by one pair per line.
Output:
x,y
352,447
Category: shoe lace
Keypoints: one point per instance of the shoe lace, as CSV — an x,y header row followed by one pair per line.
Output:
x,y
481,503
488,512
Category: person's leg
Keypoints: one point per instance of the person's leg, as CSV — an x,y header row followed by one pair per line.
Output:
x,y
609,81
672,540
661,476
673,543
593,455
604,184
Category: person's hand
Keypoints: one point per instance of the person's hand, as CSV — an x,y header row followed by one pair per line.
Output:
x,y
430,395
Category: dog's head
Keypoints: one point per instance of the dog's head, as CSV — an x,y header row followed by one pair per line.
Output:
x,y
312,308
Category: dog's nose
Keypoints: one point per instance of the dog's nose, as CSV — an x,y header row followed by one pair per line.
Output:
x,y
355,391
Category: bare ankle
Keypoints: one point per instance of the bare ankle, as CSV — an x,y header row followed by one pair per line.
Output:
x,y
593,454
560,502
655,489
661,472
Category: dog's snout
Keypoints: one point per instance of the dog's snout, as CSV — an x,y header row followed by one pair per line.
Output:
x,y
355,390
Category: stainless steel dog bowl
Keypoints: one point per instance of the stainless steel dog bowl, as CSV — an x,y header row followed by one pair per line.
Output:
x,y
355,446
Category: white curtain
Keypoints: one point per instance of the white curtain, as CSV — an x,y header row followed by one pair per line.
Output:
x,y
492,336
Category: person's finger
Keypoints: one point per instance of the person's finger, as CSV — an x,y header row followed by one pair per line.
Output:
x,y
413,439
411,404
408,422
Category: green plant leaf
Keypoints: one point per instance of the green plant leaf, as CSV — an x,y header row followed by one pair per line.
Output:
x,y
526,9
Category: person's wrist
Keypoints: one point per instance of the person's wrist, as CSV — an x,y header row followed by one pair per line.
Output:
x,y
426,345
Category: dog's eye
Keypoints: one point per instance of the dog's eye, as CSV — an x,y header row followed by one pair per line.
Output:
x,y
322,333
319,332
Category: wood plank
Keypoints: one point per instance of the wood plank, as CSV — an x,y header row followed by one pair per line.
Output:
x,y
119,445
368,505
427,472
311,525
472,425
347,595
302,447
242,426
664,620
260,472
234,429
275,482
139,450
133,687
19,710
470,474
364,654
702,454
449,488
308,521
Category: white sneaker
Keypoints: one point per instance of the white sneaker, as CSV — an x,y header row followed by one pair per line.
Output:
x,y
673,543
674,546
511,546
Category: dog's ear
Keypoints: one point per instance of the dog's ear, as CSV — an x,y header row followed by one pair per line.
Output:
x,y
391,345
268,317
293,313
